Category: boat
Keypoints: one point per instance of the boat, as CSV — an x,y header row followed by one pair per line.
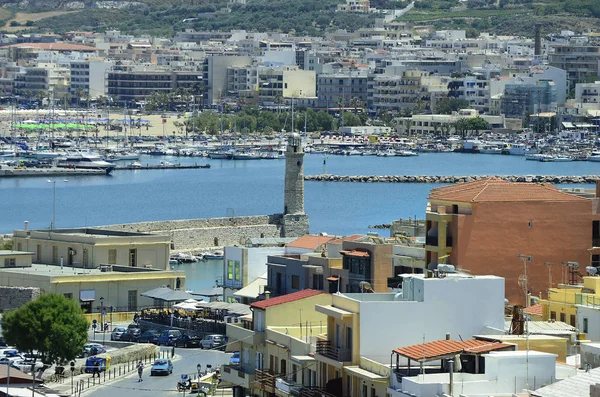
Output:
x,y
490,149
215,255
534,156
246,156
135,164
520,149
270,156
41,154
406,153
220,155
125,156
184,258
85,160
562,159
594,157
387,153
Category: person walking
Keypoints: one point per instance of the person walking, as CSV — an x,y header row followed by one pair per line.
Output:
x,y
96,369
140,368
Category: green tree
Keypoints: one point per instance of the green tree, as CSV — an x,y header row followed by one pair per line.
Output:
x,y
52,325
449,105
351,120
477,124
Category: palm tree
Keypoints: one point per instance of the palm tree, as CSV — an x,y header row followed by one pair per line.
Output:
x,y
356,103
278,101
340,103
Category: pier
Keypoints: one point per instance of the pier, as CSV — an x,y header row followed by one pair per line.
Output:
x,y
16,172
450,179
161,167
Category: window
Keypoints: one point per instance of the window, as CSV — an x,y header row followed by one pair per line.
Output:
x,y
68,296
237,272
132,301
572,320
373,392
553,316
85,257
563,317
19,247
283,367
10,262
133,257
38,253
112,256
295,282
318,282
229,270
585,325
55,254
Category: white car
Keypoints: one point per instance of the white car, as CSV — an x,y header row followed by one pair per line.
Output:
x,y
10,360
25,366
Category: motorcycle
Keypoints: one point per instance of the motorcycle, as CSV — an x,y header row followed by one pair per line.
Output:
x,y
183,385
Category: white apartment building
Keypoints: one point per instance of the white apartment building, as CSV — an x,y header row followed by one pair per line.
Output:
x,y
587,92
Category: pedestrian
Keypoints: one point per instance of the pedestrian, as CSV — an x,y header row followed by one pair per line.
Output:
x,y
140,368
96,370
199,368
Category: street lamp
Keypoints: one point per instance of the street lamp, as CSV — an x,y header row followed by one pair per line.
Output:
x,y
102,318
53,182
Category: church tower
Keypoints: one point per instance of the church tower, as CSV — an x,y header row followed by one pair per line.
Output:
x,y
295,221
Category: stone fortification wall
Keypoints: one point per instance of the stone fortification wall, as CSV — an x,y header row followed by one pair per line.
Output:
x,y
15,297
190,234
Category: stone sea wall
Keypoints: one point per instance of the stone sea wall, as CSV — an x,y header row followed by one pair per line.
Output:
x,y
191,234
556,179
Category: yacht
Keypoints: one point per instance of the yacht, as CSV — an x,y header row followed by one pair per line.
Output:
x,y
85,160
246,156
520,149
490,149
406,153
387,153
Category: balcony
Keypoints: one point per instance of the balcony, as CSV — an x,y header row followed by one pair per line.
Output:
x,y
265,380
287,387
433,241
326,349
237,331
237,376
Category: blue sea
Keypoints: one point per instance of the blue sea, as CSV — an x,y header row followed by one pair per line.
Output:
x,y
252,188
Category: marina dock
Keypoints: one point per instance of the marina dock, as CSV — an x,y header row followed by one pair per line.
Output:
x,y
162,167
16,172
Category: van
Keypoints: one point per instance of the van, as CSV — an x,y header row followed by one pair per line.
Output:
x,y
168,337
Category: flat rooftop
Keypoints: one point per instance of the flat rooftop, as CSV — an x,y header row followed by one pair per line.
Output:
x,y
9,252
56,270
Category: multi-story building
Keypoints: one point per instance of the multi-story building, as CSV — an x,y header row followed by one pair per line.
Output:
x,y
485,225
275,344
340,88
89,77
45,80
8,75
125,85
587,92
443,123
522,100
409,91
362,329
578,57
472,88
274,84
215,76
355,6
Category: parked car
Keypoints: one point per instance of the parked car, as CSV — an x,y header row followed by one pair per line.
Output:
x,y
162,366
149,336
25,365
117,333
91,349
186,340
213,342
235,359
131,335
10,360
168,337
133,325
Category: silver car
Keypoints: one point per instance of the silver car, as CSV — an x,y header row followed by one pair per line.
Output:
x,y
117,333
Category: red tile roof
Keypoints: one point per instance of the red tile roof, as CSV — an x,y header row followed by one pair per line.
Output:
x,y
535,310
279,300
346,238
432,350
494,189
356,253
310,241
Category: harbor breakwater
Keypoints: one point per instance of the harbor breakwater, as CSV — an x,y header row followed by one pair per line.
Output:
x,y
449,179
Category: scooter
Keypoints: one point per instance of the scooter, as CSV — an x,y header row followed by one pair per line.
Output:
x,y
183,385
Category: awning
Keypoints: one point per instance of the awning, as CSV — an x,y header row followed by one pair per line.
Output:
x,y
364,374
252,290
332,278
166,294
303,359
363,254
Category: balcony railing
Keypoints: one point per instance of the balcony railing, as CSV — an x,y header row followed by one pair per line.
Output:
x,y
288,386
265,380
326,349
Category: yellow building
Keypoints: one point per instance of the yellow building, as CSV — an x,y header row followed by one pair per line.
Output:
x,y
285,82
275,344
90,248
562,301
340,368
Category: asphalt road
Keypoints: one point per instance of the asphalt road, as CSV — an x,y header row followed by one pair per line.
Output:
x,y
185,362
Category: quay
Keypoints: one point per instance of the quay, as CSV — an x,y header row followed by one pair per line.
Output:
x,y
161,167
449,179
16,172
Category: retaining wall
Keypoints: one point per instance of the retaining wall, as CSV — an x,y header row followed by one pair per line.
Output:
x,y
14,297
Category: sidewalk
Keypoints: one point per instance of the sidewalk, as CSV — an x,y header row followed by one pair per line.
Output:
x,y
82,382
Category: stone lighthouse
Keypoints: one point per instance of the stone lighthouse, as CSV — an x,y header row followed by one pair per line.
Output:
x,y
295,221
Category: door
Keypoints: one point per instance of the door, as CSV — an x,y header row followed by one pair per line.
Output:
x,y
55,254
338,336
132,301
349,339
70,256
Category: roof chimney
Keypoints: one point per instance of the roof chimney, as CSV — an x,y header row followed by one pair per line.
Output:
x,y
447,335
267,294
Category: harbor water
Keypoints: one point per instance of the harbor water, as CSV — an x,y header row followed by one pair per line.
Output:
x,y
252,188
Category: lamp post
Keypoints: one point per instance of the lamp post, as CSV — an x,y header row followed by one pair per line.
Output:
x,y
53,182
102,318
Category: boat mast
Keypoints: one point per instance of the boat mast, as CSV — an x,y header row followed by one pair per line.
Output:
x,y
292,113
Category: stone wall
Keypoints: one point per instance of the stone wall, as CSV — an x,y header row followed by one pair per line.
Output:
x,y
191,234
558,179
14,297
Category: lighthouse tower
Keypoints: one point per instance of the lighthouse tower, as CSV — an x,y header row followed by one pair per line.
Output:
x,y
295,221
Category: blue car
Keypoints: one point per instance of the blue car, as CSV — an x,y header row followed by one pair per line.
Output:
x,y
168,337
162,366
